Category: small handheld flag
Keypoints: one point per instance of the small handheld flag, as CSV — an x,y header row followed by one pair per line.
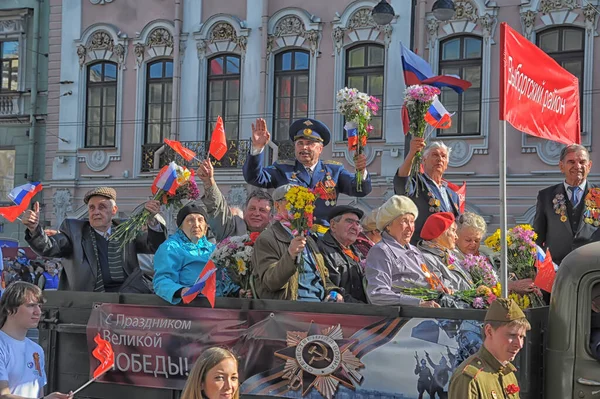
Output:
x,y
218,141
185,153
21,196
437,116
205,285
104,353
546,271
166,179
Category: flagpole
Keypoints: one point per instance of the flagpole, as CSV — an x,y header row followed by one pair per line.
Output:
x,y
504,249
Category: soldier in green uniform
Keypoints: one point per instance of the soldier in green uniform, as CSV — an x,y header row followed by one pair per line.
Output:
x,y
488,374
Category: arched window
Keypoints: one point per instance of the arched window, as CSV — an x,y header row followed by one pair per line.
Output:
x,y
364,71
223,97
291,91
101,104
462,56
159,94
565,46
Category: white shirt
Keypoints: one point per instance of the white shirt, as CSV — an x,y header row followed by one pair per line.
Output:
x,y
579,192
22,366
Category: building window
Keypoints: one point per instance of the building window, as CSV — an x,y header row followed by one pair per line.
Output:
x,y
101,105
223,97
364,71
9,66
565,46
159,94
291,90
7,173
462,56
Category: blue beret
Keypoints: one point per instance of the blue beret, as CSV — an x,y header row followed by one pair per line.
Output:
x,y
310,129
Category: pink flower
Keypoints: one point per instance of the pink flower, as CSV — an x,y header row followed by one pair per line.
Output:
x,y
478,303
369,128
491,298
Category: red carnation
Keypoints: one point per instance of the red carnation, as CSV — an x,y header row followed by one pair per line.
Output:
x,y
512,389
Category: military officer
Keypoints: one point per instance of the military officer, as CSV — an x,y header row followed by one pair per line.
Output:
x,y
327,178
488,374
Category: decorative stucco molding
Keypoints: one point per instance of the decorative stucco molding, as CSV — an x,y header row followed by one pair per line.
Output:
x,y
102,42
540,15
474,18
62,204
154,41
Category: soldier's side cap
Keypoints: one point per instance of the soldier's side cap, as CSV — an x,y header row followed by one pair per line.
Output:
x,y
310,129
106,192
504,310
281,191
343,209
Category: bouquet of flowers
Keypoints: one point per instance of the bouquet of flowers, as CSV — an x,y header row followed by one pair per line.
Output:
x,y
358,109
478,298
521,255
233,256
480,269
172,185
417,100
299,219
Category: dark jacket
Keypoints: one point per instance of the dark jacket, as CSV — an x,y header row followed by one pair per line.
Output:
x,y
344,271
74,245
423,202
562,237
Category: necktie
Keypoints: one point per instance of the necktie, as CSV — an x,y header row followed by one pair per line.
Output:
x,y
309,171
574,194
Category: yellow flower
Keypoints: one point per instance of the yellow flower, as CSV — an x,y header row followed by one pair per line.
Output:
x,y
297,215
483,290
497,290
241,266
288,207
309,208
184,176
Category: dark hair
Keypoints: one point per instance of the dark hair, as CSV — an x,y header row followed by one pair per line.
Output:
x,y
259,195
16,295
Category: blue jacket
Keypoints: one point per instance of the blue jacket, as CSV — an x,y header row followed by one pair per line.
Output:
x,y
177,264
293,172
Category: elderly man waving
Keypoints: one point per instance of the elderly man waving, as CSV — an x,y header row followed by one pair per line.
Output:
x,y
429,192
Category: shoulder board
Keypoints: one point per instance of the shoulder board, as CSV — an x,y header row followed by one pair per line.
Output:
x,y
471,371
286,162
332,162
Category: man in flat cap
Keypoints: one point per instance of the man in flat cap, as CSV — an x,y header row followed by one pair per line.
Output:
x,y
290,267
488,374
343,260
92,262
328,178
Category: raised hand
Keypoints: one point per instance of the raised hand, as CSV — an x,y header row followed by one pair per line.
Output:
x,y
152,206
416,144
260,134
31,217
360,162
206,172
297,246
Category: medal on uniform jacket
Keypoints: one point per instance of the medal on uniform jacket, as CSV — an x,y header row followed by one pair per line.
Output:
x,y
326,191
591,214
560,206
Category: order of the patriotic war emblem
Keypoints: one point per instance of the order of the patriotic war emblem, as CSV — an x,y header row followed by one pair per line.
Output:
x,y
320,359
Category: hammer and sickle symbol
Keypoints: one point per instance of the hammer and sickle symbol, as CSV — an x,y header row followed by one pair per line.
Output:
x,y
318,356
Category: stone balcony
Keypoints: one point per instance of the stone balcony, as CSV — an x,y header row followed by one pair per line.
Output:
x,y
10,104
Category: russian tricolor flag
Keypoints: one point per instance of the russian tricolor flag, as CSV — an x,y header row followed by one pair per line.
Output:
x,y
166,179
205,285
417,71
437,116
21,196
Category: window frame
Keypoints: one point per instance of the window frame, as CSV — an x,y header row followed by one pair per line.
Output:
x,y
11,60
103,84
365,71
224,77
163,80
292,73
462,63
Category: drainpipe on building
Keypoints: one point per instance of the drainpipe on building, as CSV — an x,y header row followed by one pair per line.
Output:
x,y
34,88
421,42
176,73
265,61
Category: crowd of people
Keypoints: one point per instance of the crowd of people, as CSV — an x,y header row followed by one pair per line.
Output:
x,y
412,240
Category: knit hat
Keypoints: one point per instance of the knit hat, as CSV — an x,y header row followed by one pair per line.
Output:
x,y
436,224
106,192
394,207
188,209
504,310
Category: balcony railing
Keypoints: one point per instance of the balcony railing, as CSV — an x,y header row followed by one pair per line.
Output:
x,y
234,158
9,104
286,150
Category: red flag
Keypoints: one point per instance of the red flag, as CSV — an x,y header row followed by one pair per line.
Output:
x,y
186,153
461,192
205,285
218,142
546,273
405,120
13,212
537,96
104,353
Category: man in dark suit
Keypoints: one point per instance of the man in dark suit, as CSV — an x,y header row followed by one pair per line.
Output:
x,y
566,216
327,178
428,191
91,262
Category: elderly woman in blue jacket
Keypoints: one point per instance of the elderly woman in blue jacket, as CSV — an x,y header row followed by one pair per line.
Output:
x,y
180,259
